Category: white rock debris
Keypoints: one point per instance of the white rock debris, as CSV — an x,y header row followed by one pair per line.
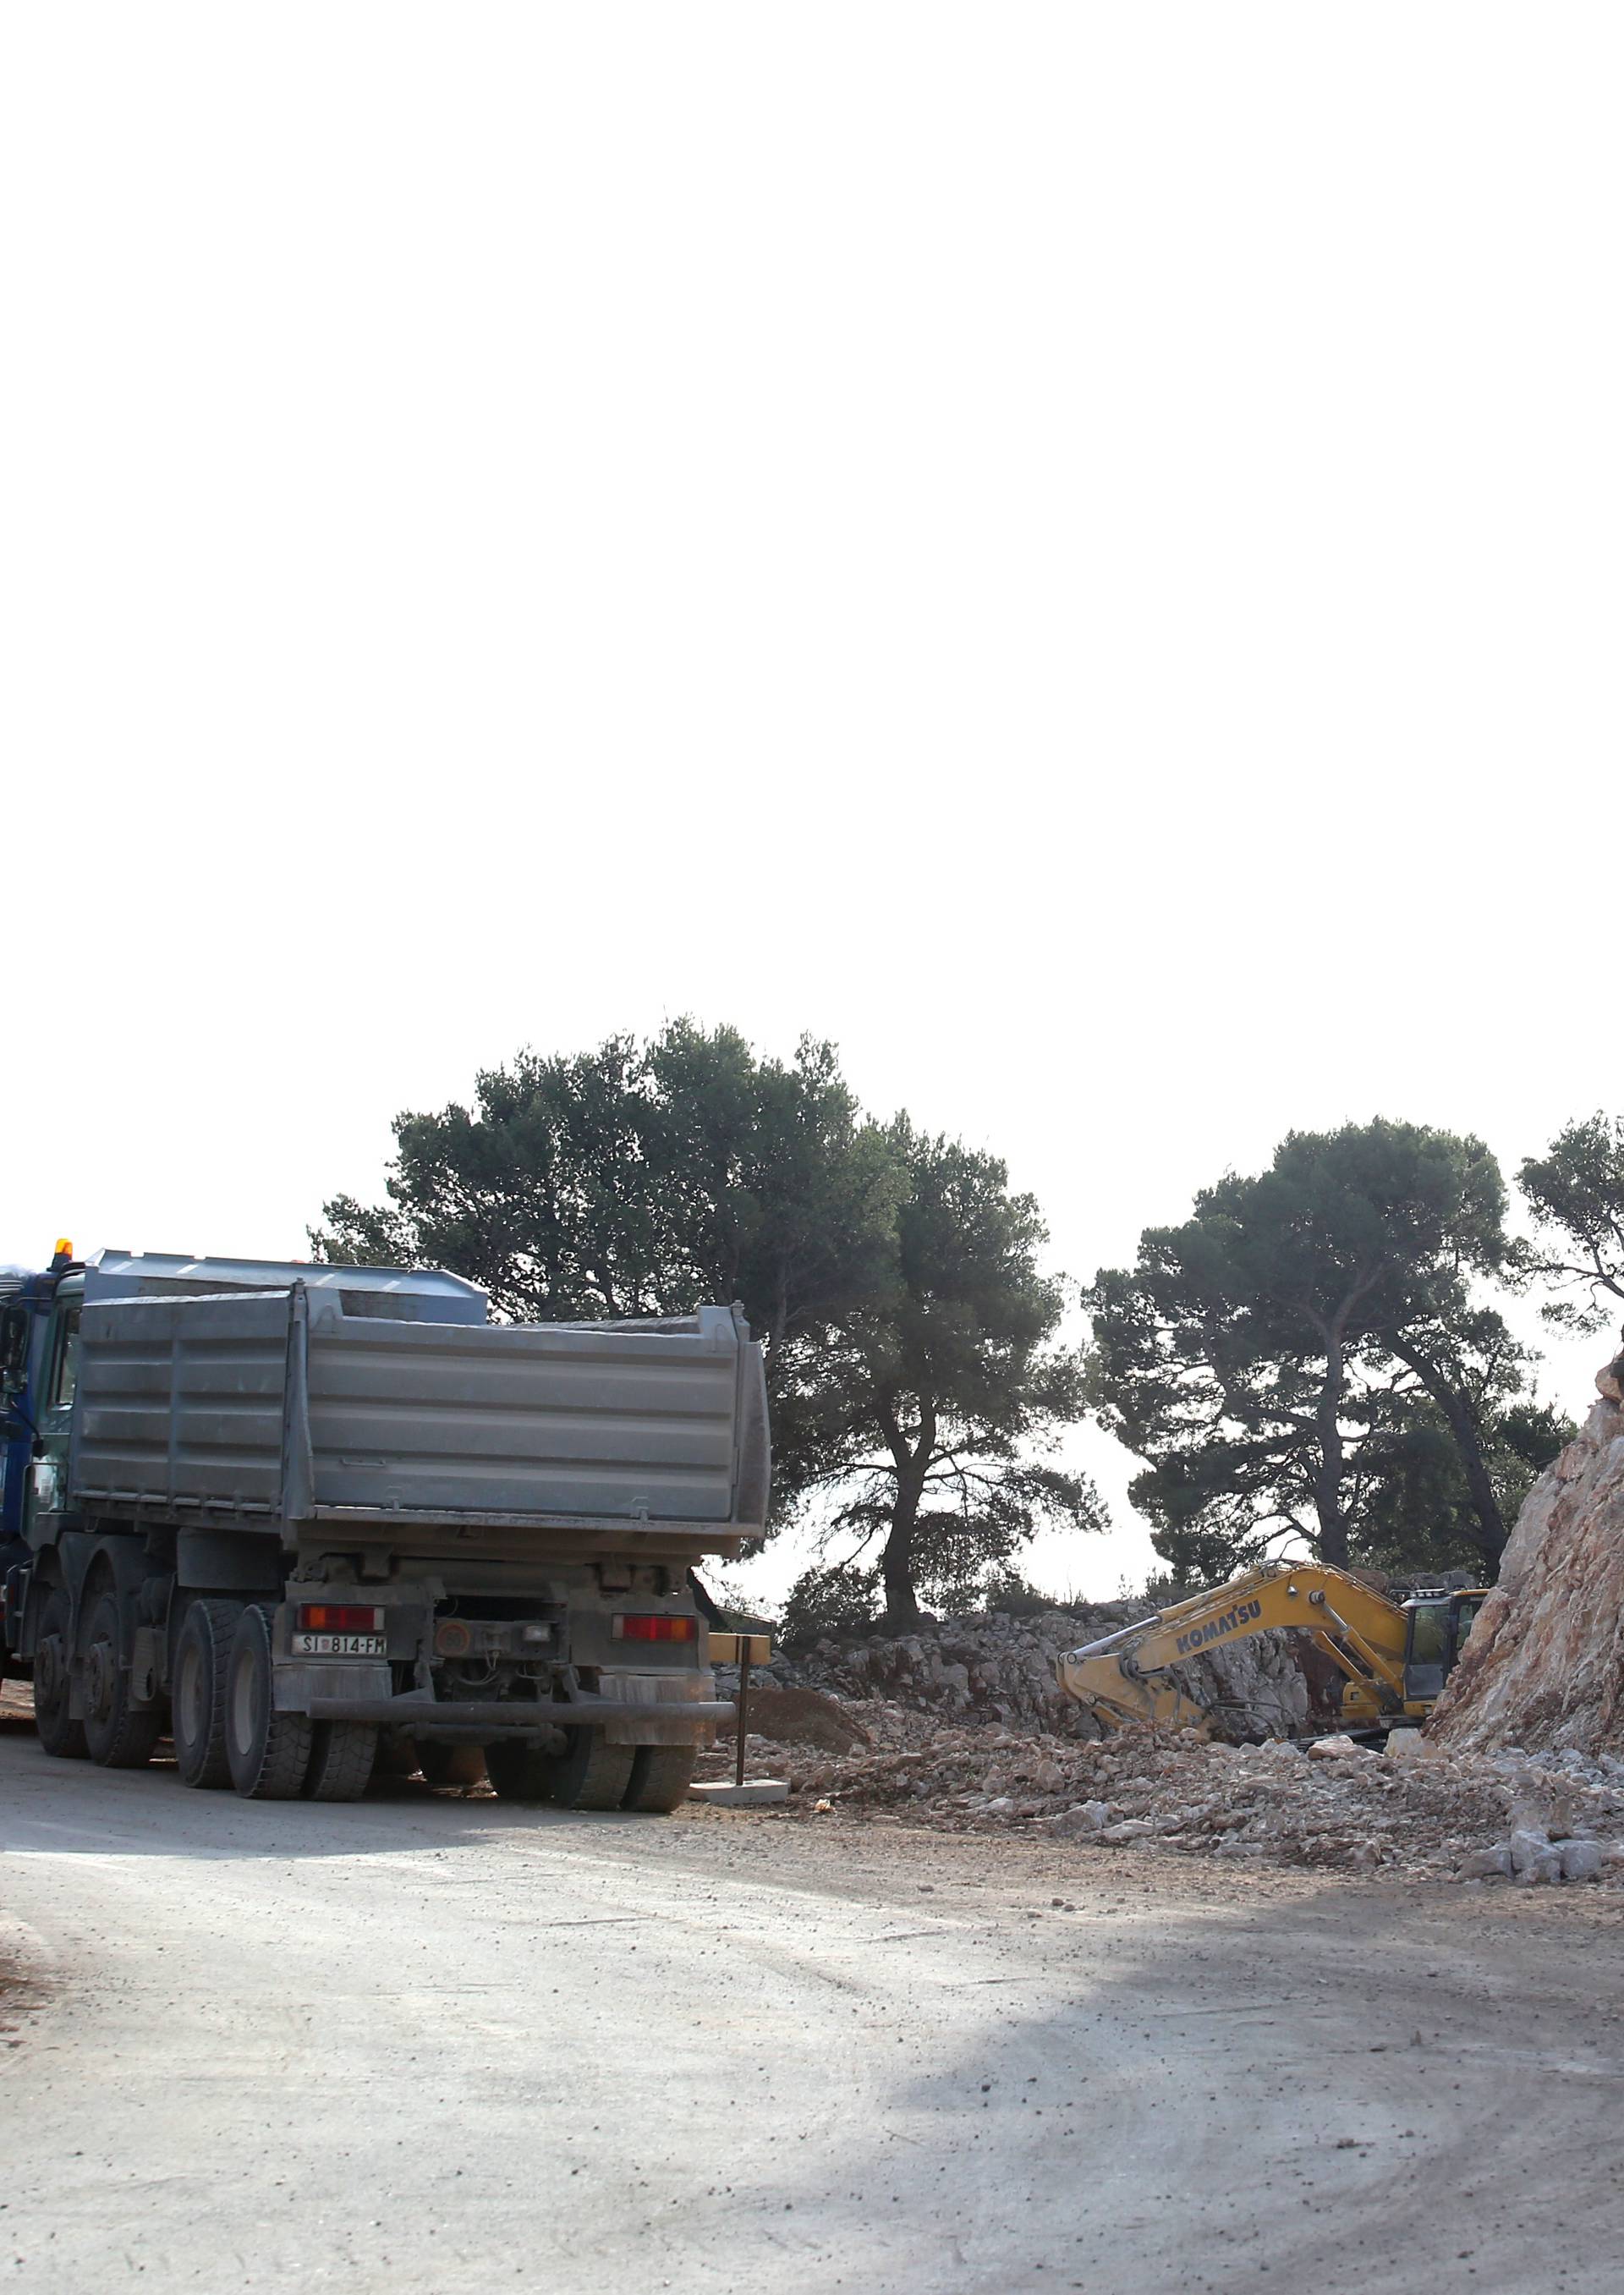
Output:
x,y
1436,1815
994,1667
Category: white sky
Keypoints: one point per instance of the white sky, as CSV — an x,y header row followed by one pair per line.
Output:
x,y
1074,548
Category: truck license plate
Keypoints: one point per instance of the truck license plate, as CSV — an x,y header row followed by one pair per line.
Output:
x,y
339,1646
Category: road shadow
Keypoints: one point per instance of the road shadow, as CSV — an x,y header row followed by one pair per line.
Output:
x,y
73,1807
1397,2089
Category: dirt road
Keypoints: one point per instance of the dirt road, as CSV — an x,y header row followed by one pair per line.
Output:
x,y
425,2044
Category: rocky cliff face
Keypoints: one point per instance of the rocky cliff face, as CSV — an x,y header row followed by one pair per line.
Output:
x,y
1545,1667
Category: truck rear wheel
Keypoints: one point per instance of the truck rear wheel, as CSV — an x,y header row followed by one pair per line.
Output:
x,y
341,1758
589,1773
202,1662
268,1751
59,1734
117,1735
661,1776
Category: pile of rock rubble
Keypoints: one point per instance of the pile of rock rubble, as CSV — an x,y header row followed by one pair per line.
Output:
x,y
992,1667
1409,1811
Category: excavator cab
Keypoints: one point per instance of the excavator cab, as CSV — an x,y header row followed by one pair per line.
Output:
x,y
1436,1626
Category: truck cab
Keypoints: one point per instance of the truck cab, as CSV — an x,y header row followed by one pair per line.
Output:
x,y
39,1319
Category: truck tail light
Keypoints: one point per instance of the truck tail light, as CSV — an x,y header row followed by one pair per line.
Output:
x,y
632,1628
338,1618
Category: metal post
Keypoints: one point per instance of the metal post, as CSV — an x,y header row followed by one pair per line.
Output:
x,y
744,1703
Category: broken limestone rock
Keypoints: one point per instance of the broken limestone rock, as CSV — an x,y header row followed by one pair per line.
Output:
x,y
1083,1816
1406,1746
991,1666
1582,1860
1449,1817
1530,1849
1336,1749
1488,1865
1544,1669
1256,1687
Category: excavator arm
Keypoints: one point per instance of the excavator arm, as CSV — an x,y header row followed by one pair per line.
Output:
x,y
1127,1675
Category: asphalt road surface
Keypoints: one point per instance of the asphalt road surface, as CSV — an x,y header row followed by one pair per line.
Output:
x,y
434,2043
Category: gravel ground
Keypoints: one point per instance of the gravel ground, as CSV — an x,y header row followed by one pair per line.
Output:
x,y
428,2041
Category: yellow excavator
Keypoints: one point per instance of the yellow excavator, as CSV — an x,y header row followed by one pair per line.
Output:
x,y
1395,1655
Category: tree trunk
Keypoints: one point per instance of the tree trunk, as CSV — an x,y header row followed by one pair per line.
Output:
x,y
896,1564
1328,1472
1468,1440
779,1322
714,1618
901,1603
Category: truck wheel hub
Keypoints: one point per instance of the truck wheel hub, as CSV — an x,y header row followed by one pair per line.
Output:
x,y
98,1677
48,1682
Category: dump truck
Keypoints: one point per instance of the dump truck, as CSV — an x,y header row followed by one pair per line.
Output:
x,y
283,1513
1394,1654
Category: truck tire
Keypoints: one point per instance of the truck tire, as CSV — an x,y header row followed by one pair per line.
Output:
x,y
53,1664
202,1659
661,1776
341,1758
117,1735
452,1765
589,1773
268,1751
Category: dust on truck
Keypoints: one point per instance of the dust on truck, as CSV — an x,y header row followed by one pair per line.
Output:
x,y
286,1512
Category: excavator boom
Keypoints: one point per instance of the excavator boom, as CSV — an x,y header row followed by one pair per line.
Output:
x,y
1129,1675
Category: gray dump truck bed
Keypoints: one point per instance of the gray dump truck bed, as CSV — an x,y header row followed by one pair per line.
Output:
x,y
333,1398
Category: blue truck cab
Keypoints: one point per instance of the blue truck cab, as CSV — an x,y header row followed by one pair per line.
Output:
x,y
39,1318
